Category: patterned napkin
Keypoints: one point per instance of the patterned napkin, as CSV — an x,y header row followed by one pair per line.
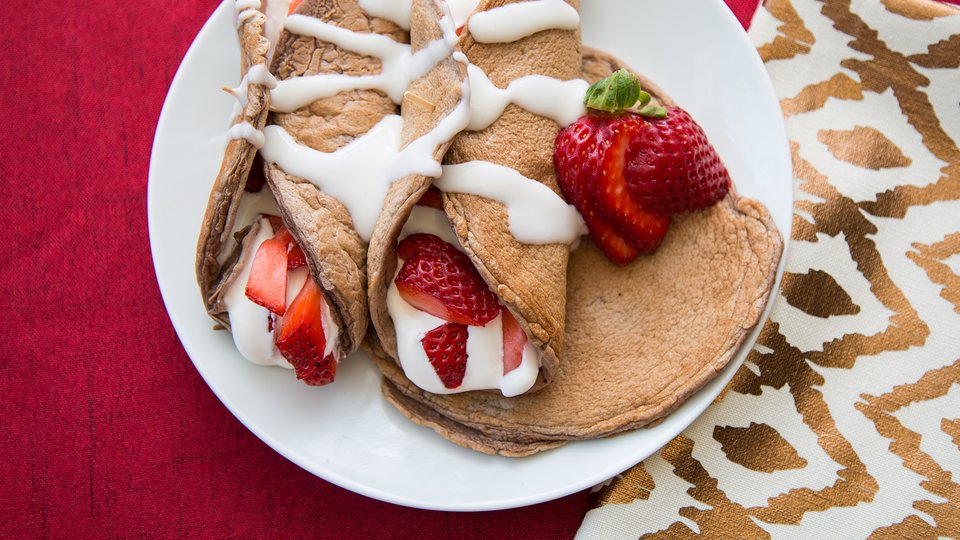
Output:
x,y
845,419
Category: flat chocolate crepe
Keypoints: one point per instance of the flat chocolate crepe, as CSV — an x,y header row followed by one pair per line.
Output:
x,y
640,339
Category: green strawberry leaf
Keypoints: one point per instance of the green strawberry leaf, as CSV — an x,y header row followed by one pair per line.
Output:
x,y
614,94
620,92
653,111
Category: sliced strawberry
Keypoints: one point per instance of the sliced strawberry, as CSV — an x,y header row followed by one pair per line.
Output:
x,y
301,339
443,282
608,190
577,155
319,373
296,258
418,243
446,348
671,167
267,284
294,4
431,198
514,340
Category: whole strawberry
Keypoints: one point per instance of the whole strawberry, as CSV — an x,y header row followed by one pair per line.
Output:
x,y
672,168
628,166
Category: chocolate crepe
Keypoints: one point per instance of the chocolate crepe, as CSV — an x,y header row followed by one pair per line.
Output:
x,y
529,279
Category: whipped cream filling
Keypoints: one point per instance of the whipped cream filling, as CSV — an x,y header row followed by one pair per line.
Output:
x,y
484,344
250,322
251,206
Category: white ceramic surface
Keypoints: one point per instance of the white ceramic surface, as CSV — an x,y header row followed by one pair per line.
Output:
x,y
346,433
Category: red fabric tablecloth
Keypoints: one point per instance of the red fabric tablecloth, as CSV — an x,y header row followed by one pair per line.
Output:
x,y
107,429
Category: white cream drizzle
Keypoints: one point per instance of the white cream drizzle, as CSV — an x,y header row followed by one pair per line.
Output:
x,y
399,66
483,343
276,12
537,214
513,22
395,11
560,101
257,74
245,130
260,74
249,322
461,9
360,173
246,14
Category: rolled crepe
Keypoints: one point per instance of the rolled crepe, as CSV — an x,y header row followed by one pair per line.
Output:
x,y
321,224
529,279
215,271
641,339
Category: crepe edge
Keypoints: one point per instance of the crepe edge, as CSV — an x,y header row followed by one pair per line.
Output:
x,y
228,187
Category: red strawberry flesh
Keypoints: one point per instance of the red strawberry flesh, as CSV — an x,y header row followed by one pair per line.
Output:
x,y
418,243
301,339
431,198
442,281
672,168
256,179
641,230
514,340
576,156
296,258
267,284
446,348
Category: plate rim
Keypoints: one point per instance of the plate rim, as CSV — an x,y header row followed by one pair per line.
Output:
x,y
712,389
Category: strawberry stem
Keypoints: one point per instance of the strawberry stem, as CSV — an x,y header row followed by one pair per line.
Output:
x,y
620,92
653,111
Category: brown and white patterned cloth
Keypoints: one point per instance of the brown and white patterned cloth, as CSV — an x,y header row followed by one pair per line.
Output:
x,y
845,420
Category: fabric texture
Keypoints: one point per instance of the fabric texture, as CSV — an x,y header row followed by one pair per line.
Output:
x,y
108,430
845,420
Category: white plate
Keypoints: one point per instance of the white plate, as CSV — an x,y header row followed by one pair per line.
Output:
x,y
346,433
